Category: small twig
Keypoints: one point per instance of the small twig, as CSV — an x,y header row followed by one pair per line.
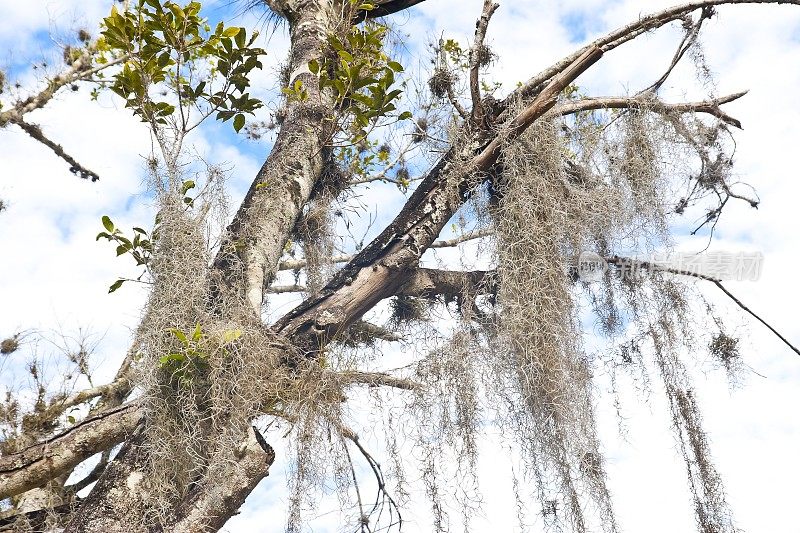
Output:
x,y
689,38
748,310
451,95
623,261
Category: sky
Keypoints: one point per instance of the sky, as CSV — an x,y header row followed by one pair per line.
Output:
x,y
54,276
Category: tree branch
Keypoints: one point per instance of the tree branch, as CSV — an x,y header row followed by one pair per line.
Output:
x,y
623,35
386,264
476,53
385,8
428,282
213,505
37,464
74,166
255,239
625,262
650,104
297,264
377,379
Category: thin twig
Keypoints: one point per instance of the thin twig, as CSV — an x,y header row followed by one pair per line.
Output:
x,y
624,261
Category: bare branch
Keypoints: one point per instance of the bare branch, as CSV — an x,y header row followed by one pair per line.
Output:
x,y
649,104
377,379
626,262
74,167
37,464
543,102
109,389
476,54
453,97
297,264
433,282
689,39
625,34
366,332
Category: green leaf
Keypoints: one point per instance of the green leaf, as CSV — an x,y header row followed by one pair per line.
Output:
x,y
405,115
198,332
164,360
230,32
231,335
107,223
395,66
181,336
238,122
116,285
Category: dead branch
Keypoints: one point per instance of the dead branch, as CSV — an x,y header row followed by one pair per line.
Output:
x,y
622,35
476,55
37,464
74,166
625,262
377,379
542,103
427,282
710,107
297,264
689,39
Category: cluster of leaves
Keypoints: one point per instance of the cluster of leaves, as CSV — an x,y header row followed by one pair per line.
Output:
x,y
140,247
360,76
458,55
363,159
173,48
192,359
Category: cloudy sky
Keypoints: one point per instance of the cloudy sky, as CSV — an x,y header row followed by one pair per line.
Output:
x,y
54,276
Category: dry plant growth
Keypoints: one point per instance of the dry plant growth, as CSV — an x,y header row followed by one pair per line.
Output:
x,y
534,179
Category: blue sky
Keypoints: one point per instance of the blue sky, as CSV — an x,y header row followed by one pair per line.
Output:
x,y
53,274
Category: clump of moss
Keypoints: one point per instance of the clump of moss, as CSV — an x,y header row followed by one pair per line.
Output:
x,y
485,56
441,82
11,344
420,130
724,347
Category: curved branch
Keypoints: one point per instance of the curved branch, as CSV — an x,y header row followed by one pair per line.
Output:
x,y
385,8
625,262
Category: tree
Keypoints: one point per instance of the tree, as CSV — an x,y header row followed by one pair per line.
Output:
x,y
540,175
